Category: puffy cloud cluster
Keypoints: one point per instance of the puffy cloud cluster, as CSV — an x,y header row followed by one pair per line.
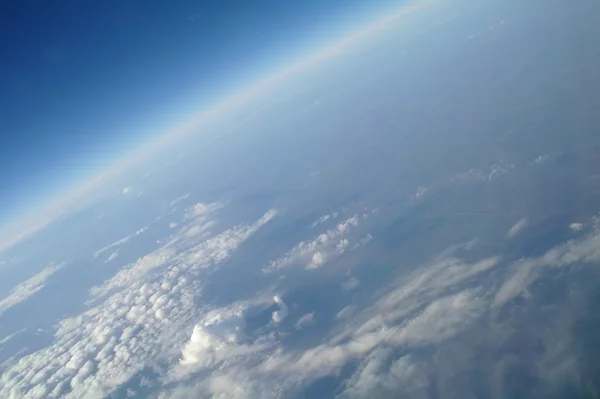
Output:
x,y
28,288
495,171
280,315
315,253
189,249
221,336
145,312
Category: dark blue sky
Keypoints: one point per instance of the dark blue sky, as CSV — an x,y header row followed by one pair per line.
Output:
x,y
84,81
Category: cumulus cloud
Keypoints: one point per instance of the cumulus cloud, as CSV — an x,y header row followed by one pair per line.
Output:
x,y
145,312
517,228
221,336
279,315
494,172
315,253
185,248
576,226
28,288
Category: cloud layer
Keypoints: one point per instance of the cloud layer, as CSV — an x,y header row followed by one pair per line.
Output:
x,y
138,316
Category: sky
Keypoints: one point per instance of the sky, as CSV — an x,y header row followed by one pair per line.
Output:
x,y
86,82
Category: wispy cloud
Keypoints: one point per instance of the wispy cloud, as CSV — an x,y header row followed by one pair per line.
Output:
x,y
517,228
28,288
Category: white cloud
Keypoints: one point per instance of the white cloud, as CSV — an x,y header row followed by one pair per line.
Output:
x,y
487,30
185,247
179,199
321,220
420,193
576,226
112,256
131,191
379,373
120,242
28,288
200,209
526,271
426,307
10,337
305,321
147,312
315,253
346,312
350,284
540,159
494,172
518,227
279,315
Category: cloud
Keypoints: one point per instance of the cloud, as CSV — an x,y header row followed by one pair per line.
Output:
x,y
346,312
186,248
350,284
179,199
279,315
380,374
132,191
524,272
28,288
305,321
315,253
112,256
494,172
325,218
200,210
420,193
10,337
487,30
517,228
144,313
119,242
427,307
576,226
540,159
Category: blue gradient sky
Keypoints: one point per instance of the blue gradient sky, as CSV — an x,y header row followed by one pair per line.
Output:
x,y
84,82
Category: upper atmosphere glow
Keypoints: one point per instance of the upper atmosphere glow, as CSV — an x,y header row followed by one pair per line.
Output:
x,y
35,220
